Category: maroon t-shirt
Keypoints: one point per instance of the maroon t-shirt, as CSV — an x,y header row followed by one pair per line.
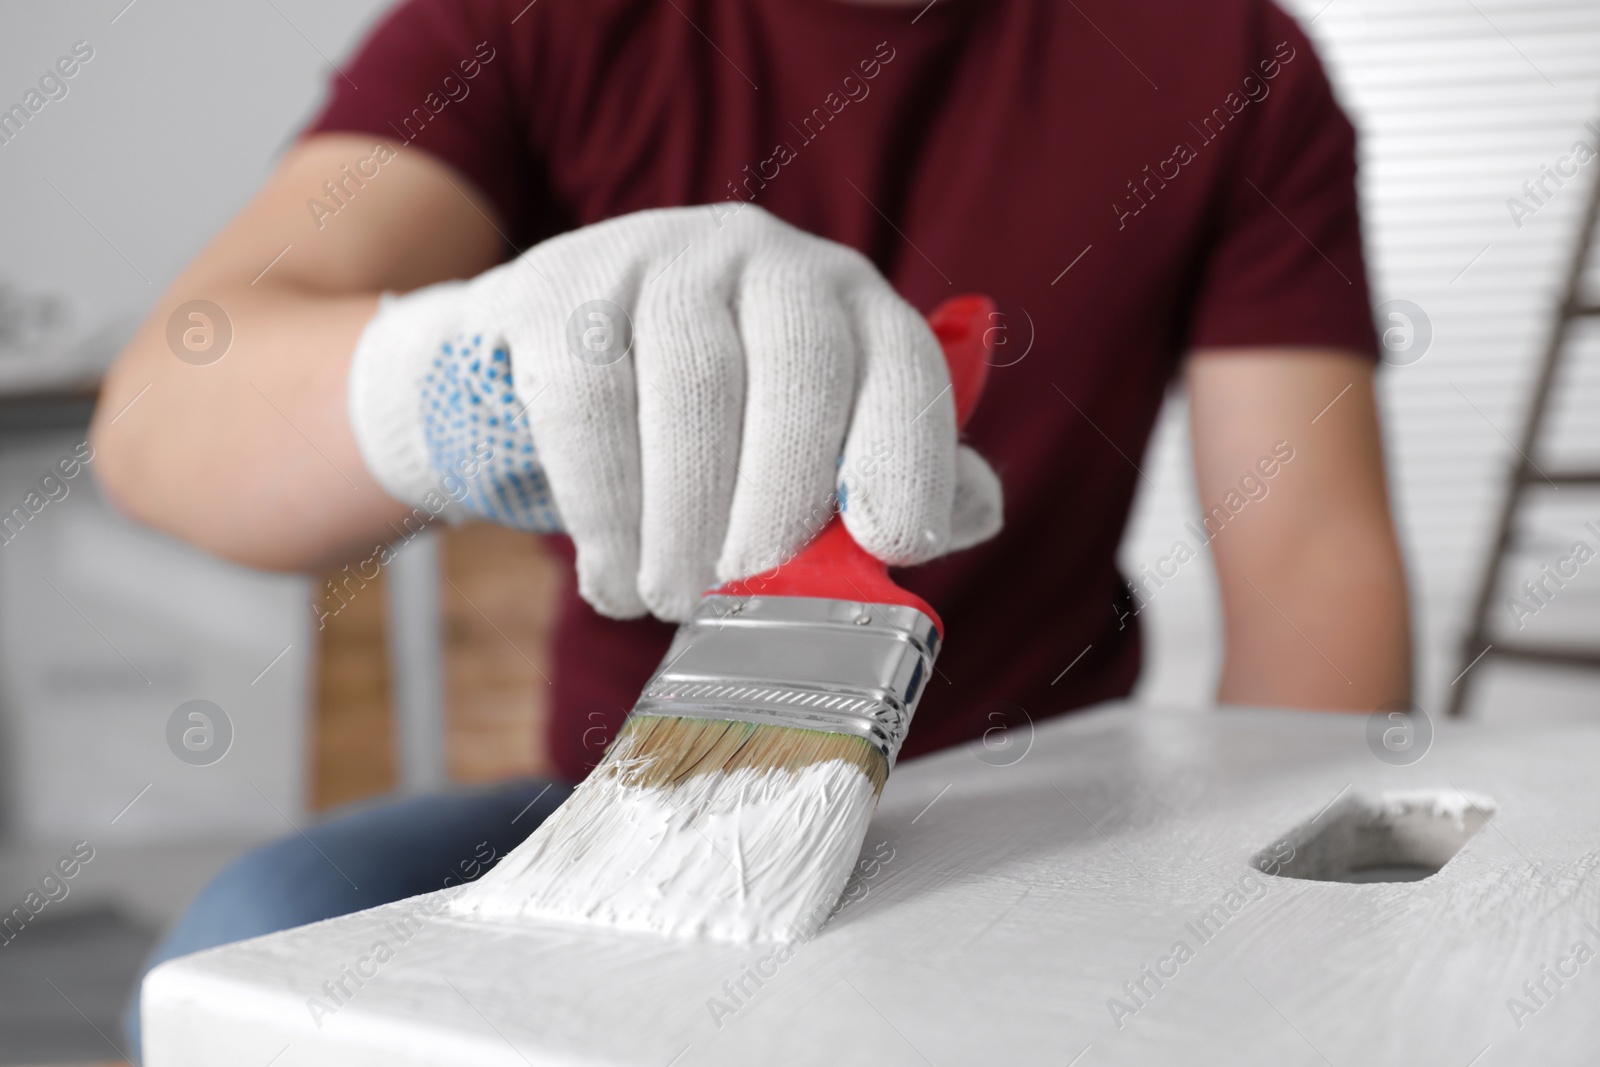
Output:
x,y
1130,179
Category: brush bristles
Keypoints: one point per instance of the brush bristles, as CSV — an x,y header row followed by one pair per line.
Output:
x,y
697,828
660,750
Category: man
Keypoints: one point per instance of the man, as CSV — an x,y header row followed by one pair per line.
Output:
x,y
1146,189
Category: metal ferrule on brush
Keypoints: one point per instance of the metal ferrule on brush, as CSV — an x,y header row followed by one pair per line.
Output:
x,y
840,666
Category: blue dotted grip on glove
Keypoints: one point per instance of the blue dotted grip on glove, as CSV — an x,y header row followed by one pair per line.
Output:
x,y
478,439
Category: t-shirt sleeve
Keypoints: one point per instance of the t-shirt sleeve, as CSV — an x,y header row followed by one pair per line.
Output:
x,y
1285,264
436,75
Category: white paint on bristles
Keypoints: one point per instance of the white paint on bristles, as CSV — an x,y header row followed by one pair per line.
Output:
x,y
742,856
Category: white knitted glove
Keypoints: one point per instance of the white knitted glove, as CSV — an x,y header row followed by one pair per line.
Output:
x,y
681,391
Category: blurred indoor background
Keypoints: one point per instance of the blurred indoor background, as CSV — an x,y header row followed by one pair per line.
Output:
x,y
107,629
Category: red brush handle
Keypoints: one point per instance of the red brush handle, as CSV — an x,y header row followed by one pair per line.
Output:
x,y
833,566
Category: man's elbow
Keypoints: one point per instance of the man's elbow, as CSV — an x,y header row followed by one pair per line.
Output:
x,y
151,489
125,477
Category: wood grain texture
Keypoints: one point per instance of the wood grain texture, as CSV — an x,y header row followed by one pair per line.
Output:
x,y
998,912
499,604
352,752
498,601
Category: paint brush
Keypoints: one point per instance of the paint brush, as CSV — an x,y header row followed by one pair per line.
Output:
x,y
734,801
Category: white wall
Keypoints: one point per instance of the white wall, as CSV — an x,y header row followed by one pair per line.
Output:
x,y
163,135
105,628
1458,104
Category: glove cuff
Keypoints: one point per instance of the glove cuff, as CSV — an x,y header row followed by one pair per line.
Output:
x,y
394,352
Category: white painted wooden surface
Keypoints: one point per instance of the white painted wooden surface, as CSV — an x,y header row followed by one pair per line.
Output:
x,y
1008,906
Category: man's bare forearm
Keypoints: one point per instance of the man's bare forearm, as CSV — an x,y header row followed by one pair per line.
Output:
x,y
1289,462
1321,624
251,455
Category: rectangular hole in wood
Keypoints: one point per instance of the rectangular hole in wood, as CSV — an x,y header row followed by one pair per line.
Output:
x,y
1382,837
